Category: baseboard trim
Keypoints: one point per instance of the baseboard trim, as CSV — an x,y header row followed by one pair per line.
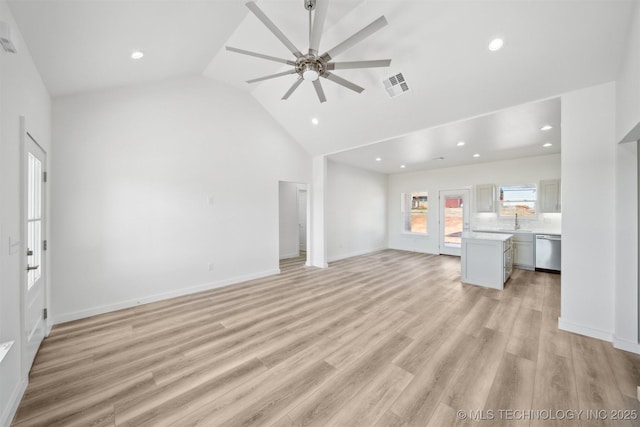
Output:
x,y
353,254
9,412
94,311
584,330
625,345
290,255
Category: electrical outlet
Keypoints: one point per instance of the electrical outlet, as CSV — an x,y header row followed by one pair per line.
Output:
x,y
210,266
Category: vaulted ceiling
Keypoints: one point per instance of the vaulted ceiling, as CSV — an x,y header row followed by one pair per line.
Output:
x,y
551,47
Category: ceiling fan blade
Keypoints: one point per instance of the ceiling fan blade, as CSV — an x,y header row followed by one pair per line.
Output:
x,y
346,83
272,76
355,39
358,64
273,28
319,17
259,55
293,88
318,86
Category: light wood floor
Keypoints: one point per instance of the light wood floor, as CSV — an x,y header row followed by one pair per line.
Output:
x,y
387,339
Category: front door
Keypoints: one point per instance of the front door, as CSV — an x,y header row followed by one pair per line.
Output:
x,y
34,277
454,219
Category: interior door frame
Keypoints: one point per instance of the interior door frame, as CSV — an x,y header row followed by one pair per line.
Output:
x,y
307,188
306,214
466,193
24,134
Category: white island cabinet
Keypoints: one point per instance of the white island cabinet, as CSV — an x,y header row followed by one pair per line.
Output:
x,y
487,259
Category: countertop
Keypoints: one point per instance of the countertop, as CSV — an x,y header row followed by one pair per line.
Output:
x,y
502,236
501,230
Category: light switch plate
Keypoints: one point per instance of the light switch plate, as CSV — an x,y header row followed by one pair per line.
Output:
x,y
4,349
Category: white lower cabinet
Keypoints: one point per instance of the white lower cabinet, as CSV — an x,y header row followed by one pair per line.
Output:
x,y
486,259
523,251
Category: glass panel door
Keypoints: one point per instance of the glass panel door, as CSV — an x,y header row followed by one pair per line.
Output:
x,y
454,219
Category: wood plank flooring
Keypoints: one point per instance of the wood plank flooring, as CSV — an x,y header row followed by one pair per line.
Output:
x,y
386,339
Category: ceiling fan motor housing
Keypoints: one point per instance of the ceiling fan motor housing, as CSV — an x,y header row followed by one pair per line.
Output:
x,y
308,64
309,4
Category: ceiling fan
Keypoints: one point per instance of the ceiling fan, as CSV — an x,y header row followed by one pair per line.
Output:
x,y
311,66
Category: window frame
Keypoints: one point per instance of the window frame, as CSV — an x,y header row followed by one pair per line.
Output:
x,y
535,201
404,212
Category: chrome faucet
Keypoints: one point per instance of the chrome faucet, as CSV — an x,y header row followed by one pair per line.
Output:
x,y
516,226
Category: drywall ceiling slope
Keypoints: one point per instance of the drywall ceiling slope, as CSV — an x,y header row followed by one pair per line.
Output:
x,y
86,45
551,47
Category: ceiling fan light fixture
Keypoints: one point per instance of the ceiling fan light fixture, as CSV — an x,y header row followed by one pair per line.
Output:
x,y
310,72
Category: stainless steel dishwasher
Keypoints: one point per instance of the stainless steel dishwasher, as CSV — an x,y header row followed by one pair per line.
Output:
x,y
548,252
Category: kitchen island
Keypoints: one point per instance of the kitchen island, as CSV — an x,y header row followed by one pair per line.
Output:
x,y
486,259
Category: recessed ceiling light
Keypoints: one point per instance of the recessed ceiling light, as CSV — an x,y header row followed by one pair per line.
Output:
x,y
137,54
496,44
403,166
378,159
548,144
460,143
546,127
315,121
476,155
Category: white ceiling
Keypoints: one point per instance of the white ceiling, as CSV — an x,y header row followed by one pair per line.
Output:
x,y
551,47
84,45
511,133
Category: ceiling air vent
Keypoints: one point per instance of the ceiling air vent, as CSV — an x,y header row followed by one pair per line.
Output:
x,y
395,85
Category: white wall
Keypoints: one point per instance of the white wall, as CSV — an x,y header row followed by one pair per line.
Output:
x,y
627,116
588,211
22,93
318,232
156,182
528,170
355,212
289,220
628,80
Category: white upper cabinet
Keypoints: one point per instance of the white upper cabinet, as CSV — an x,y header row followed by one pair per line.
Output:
x,y
486,198
549,196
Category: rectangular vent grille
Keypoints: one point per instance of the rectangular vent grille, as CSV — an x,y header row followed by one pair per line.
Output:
x,y
396,85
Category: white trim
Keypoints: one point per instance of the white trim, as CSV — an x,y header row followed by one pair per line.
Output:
x,y
81,314
290,255
584,330
353,254
416,250
625,345
12,405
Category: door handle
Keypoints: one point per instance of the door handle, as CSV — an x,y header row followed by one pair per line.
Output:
x,y
35,267
29,252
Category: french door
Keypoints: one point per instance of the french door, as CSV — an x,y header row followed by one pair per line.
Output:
x,y
454,219
34,265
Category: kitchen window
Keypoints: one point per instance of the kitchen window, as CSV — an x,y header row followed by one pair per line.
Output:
x,y
518,199
414,208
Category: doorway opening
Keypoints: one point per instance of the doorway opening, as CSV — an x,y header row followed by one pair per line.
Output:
x,y
293,221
